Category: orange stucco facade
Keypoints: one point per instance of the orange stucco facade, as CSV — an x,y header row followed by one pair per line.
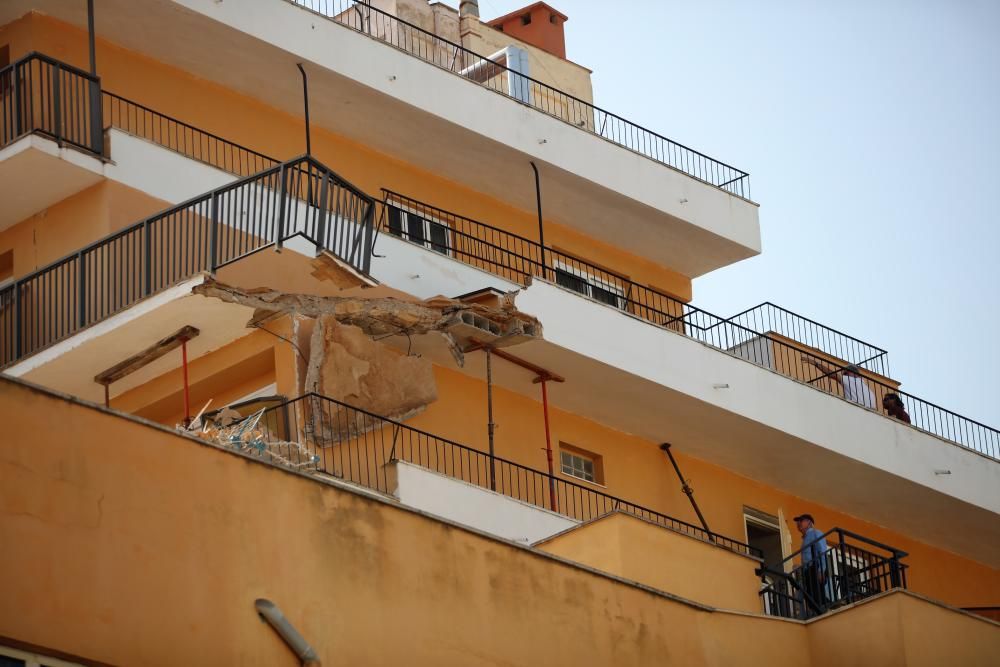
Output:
x,y
634,469
168,541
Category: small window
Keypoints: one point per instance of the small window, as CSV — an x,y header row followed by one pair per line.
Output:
x,y
589,285
6,267
581,464
420,229
526,19
5,81
553,19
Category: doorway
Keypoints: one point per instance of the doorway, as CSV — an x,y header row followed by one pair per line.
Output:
x,y
763,533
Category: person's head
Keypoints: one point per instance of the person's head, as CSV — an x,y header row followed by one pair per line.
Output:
x,y
892,402
852,370
804,522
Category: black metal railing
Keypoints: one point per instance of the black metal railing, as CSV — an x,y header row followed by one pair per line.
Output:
x,y
771,318
500,78
519,259
41,95
300,197
326,435
178,136
815,580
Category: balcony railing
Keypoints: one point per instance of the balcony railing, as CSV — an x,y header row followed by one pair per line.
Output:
x,y
296,198
40,95
496,76
175,135
320,433
770,318
850,569
519,259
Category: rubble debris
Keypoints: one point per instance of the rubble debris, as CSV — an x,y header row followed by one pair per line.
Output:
x,y
249,437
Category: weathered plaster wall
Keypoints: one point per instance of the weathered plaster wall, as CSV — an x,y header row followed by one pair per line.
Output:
x,y
130,544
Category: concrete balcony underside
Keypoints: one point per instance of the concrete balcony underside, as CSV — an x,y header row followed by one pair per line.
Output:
x,y
36,173
371,93
70,365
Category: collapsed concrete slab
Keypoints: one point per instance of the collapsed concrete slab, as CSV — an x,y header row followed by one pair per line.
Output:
x,y
340,340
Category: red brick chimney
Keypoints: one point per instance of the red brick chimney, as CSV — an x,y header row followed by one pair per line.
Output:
x,y
537,24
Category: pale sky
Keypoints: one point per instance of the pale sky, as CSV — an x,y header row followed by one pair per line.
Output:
x,y
871,131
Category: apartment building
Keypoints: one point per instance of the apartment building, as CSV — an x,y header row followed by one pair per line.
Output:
x,y
341,331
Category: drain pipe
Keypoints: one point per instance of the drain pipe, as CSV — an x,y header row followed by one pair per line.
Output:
x,y
688,491
96,108
305,103
270,613
490,426
541,224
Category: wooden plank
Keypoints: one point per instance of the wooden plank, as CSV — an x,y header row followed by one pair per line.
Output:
x,y
542,373
147,356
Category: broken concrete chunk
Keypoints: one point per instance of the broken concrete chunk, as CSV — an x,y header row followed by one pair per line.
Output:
x,y
346,364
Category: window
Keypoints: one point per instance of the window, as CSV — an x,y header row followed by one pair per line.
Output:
x,y
419,229
589,285
581,464
526,19
6,267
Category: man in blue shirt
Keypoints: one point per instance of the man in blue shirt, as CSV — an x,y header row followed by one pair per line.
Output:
x,y
814,550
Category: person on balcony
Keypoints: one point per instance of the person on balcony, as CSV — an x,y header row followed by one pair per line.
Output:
x,y
856,389
893,405
814,548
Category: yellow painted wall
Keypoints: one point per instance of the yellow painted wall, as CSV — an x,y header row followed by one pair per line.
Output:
x,y
637,471
872,634
132,545
244,120
668,561
634,469
135,546
73,223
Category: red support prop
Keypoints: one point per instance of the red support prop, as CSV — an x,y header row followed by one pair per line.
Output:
x,y
187,396
548,448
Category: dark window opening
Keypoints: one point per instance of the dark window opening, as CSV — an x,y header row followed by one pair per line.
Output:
x,y
592,287
605,296
416,229
553,19
767,539
395,221
570,281
439,237
526,19
6,265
